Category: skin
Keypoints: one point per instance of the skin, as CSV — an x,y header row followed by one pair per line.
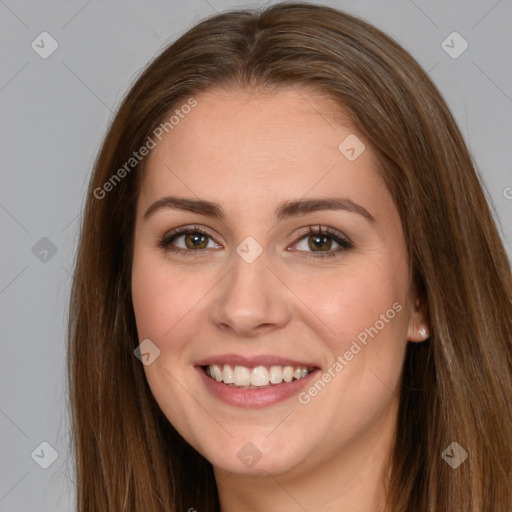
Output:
x,y
249,151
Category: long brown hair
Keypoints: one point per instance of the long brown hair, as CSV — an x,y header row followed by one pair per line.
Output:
x,y
457,385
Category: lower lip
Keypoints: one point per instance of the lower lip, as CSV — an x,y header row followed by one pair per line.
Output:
x,y
254,398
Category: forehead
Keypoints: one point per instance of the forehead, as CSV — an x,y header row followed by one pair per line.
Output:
x,y
249,144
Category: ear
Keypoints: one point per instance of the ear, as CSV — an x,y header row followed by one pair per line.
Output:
x,y
418,328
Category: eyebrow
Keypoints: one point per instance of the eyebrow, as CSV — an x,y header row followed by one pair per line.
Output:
x,y
284,210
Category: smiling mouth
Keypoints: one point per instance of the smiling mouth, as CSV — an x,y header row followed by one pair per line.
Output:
x,y
259,377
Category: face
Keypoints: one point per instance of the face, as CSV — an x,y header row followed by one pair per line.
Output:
x,y
297,271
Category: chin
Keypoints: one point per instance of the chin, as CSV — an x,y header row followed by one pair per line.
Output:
x,y
247,458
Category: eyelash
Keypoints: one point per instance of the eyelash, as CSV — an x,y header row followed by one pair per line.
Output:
x,y
345,244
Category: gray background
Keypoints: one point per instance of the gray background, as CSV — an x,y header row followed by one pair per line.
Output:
x,y
54,113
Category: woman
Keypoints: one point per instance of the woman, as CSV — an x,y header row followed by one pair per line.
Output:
x,y
290,293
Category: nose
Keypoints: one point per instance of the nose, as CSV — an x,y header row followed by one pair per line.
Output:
x,y
251,300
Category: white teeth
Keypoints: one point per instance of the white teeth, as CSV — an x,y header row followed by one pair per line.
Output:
x,y
276,374
260,376
288,373
227,375
242,376
216,372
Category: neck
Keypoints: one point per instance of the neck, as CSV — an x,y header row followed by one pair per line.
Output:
x,y
351,479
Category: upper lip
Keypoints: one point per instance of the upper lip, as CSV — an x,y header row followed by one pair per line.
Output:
x,y
252,361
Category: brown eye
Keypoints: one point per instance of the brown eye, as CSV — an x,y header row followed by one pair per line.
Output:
x,y
187,240
196,241
319,240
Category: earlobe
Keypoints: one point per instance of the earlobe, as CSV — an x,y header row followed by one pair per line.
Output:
x,y
423,333
418,329
418,334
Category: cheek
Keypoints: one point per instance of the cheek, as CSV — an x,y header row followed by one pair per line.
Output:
x,y
161,302
150,302
369,316
353,300
160,297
